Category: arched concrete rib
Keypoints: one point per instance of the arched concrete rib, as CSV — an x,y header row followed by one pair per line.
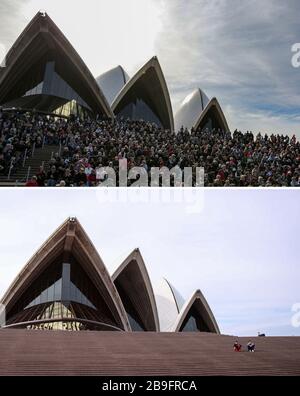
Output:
x,y
162,101
213,105
70,239
132,276
199,302
42,35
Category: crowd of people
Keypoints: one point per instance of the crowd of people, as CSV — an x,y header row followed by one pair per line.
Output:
x,y
84,147
20,134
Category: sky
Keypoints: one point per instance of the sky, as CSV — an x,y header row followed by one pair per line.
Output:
x,y
236,50
239,247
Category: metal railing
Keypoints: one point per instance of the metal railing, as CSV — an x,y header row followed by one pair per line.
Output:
x,y
21,162
10,168
25,157
33,149
28,173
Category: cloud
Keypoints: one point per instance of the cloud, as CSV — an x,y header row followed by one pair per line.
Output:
x,y
237,51
11,19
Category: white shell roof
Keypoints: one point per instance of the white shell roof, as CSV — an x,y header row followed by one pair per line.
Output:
x,y
191,109
112,81
169,303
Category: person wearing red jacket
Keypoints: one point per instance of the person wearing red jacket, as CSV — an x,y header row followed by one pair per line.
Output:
x,y
32,182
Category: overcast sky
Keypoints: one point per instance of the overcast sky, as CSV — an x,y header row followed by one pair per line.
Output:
x,y
240,248
237,50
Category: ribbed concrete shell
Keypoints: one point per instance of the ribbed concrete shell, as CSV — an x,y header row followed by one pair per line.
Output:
x,y
168,303
148,83
69,239
42,41
134,286
112,81
200,304
123,301
195,107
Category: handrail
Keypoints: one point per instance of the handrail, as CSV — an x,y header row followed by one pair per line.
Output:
x,y
10,169
25,157
28,173
33,149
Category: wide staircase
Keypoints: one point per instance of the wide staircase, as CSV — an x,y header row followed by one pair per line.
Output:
x,y
32,165
35,352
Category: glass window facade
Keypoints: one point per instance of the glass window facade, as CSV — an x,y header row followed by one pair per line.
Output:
x,y
211,121
138,109
60,312
44,89
194,322
63,290
134,318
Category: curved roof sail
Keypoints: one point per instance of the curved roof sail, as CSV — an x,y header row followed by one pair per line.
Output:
x,y
43,63
196,315
169,302
190,108
67,277
196,109
212,117
112,81
134,286
146,96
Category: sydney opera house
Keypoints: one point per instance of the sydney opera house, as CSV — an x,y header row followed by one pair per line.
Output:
x,y
44,73
67,315
66,286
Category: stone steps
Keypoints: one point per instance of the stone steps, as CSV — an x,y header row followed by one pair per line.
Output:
x,y
41,155
34,352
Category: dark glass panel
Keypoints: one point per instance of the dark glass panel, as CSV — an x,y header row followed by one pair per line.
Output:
x,y
61,291
135,326
211,121
139,110
36,292
43,89
194,322
136,322
31,80
83,290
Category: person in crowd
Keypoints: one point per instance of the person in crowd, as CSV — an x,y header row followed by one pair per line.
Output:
x,y
32,182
